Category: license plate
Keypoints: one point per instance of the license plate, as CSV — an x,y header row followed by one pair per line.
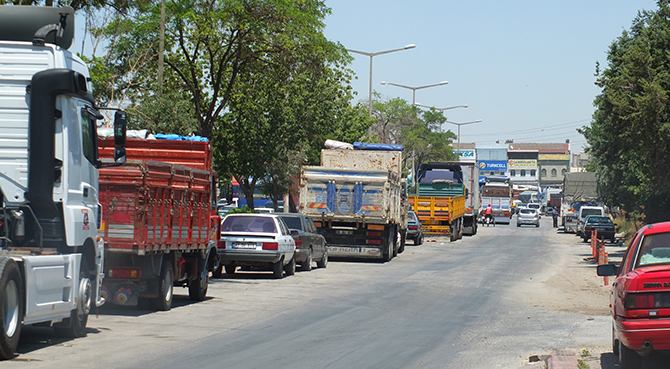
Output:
x,y
344,232
244,245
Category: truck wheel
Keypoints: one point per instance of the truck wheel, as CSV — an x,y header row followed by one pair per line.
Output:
x,y
306,265
164,300
277,269
628,358
230,268
11,308
290,267
75,325
324,260
218,272
403,240
387,253
197,288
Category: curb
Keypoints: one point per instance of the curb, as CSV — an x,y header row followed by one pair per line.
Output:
x,y
562,359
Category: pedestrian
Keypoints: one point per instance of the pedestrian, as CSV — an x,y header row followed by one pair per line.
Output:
x,y
554,215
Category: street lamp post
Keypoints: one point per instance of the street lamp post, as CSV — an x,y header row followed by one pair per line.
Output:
x,y
414,88
407,47
459,131
441,109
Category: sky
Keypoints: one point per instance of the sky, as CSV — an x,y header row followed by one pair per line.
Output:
x,y
524,67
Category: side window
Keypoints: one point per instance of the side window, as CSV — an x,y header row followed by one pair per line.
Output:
x,y
629,255
282,225
310,224
88,139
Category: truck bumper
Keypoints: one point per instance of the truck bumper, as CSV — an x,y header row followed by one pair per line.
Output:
x,y
354,251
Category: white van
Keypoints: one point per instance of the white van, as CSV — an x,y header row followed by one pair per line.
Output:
x,y
584,212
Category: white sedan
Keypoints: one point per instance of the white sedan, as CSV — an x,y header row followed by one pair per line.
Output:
x,y
261,241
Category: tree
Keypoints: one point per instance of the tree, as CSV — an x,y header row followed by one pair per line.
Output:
x,y
629,136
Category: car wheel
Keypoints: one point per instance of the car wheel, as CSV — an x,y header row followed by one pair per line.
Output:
x,y
518,224
306,265
164,300
324,260
290,267
420,240
586,239
615,343
11,308
230,268
628,358
277,269
537,225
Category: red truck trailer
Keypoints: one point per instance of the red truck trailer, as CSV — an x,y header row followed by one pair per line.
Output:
x,y
159,221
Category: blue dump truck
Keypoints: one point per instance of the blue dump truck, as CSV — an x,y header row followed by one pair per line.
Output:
x,y
356,199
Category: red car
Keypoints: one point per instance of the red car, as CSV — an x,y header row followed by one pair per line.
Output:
x,y
640,298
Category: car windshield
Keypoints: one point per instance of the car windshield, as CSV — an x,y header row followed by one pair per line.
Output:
x,y
233,223
598,220
293,223
411,217
655,249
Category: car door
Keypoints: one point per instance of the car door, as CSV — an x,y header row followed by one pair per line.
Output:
x,y
623,278
286,242
319,240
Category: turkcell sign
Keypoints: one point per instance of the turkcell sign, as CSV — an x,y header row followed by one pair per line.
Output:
x,y
493,165
465,155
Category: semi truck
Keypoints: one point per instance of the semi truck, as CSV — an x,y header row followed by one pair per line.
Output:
x,y
160,223
497,191
51,257
473,199
438,198
357,200
579,189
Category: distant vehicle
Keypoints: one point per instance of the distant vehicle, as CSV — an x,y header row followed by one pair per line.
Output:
x,y
256,240
570,221
414,229
498,192
270,204
222,210
536,206
603,224
528,216
309,244
264,210
639,301
584,212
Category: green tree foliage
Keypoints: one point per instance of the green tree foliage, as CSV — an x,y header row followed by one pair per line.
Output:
x,y
629,136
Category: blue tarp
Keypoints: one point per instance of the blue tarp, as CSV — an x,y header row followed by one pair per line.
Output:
x,y
175,137
376,146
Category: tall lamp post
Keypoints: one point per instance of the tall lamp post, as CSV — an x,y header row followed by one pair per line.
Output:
x,y
459,131
414,88
441,109
407,47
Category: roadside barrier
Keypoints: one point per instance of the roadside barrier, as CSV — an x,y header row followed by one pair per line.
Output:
x,y
598,251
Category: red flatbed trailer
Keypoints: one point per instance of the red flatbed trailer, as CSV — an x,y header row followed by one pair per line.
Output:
x,y
159,221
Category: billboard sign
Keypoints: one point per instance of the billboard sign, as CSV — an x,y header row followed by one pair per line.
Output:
x,y
522,164
493,165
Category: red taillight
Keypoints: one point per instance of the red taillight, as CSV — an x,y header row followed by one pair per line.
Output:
x,y
270,246
298,242
221,244
413,228
374,234
639,301
134,273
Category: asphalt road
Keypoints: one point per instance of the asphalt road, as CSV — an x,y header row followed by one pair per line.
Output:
x,y
466,304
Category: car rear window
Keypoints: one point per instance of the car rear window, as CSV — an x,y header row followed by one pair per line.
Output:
x,y
293,223
412,216
599,220
655,249
527,211
587,212
233,223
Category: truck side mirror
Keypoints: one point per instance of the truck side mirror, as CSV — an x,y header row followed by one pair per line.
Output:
x,y
120,129
120,155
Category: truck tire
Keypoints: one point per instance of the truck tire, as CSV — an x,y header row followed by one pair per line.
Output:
x,y
197,288
403,240
11,308
230,268
164,300
452,233
387,253
75,325
218,271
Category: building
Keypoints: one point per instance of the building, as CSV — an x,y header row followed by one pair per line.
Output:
x,y
492,160
466,152
551,162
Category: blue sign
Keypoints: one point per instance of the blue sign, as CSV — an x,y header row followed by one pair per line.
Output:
x,y
493,165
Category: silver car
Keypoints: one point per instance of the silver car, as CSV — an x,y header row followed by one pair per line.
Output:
x,y
253,240
528,216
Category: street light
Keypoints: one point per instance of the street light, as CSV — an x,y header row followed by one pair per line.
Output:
x,y
407,47
459,131
414,88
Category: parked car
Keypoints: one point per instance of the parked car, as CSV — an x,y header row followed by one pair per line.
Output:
x,y
640,296
309,244
603,224
414,229
584,212
261,241
528,216
222,210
